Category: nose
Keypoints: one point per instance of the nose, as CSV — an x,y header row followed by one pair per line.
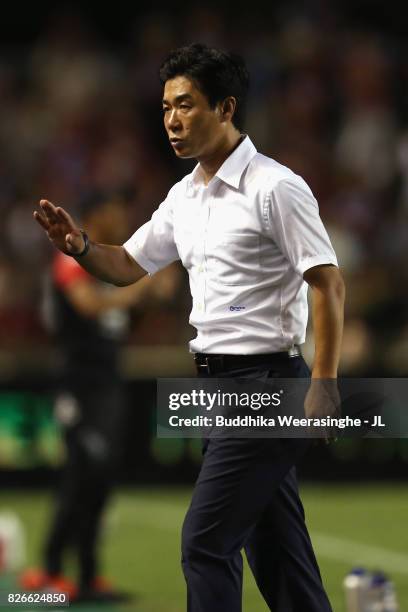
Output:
x,y
172,120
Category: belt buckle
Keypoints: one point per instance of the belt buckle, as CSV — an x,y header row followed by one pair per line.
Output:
x,y
210,364
294,351
204,366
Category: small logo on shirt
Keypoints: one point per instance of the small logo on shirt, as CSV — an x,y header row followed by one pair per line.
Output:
x,y
236,308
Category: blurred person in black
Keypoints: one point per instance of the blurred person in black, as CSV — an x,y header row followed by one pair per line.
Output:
x,y
90,321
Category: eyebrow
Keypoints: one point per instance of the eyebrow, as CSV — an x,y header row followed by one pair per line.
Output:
x,y
179,98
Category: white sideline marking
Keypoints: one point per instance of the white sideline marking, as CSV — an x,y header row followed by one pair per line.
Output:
x,y
165,516
357,553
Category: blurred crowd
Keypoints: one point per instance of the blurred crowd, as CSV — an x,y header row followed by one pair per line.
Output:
x,y
79,112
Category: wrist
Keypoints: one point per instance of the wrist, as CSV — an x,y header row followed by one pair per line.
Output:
x,y
324,370
87,245
321,374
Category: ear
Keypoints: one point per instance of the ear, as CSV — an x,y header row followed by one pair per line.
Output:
x,y
227,108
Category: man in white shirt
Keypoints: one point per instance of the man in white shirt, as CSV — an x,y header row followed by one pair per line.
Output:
x,y
248,231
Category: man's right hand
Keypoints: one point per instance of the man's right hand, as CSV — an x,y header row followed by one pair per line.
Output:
x,y
60,227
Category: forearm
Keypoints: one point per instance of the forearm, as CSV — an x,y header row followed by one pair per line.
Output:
x,y
111,264
328,316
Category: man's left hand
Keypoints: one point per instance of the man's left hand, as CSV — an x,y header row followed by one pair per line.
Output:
x,y
323,400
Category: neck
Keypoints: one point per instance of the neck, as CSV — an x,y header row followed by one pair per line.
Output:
x,y
211,163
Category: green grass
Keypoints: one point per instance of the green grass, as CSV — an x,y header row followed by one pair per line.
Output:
x,y
349,524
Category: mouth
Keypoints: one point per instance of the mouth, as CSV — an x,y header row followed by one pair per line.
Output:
x,y
176,142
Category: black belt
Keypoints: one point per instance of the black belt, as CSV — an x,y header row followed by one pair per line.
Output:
x,y
211,363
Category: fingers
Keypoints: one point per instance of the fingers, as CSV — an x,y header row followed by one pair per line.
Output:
x,y
55,214
65,217
49,211
41,220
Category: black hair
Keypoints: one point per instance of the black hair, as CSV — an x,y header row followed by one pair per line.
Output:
x,y
217,74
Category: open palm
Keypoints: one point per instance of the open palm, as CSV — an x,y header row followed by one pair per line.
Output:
x,y
60,228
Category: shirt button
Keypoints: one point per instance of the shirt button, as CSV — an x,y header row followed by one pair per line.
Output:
x,y
200,269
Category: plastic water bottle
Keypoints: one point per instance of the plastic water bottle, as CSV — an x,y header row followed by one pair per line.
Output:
x,y
390,598
376,592
356,585
381,594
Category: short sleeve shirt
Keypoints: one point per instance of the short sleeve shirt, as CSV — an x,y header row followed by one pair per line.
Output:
x,y
246,240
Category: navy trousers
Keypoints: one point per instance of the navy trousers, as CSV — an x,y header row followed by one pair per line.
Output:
x,y
246,497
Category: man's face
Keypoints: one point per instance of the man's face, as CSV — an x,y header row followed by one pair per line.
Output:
x,y
193,127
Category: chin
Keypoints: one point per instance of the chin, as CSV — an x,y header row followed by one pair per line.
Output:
x,y
183,154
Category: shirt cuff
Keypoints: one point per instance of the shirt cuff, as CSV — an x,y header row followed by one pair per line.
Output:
x,y
316,260
141,259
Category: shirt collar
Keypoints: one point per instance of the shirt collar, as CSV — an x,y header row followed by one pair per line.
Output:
x,y
232,169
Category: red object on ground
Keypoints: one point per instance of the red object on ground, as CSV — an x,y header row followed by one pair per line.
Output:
x,y
38,580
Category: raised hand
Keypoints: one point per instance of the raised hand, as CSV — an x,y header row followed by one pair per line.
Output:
x,y
60,228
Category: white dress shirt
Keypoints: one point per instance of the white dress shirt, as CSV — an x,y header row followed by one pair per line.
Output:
x,y
246,240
